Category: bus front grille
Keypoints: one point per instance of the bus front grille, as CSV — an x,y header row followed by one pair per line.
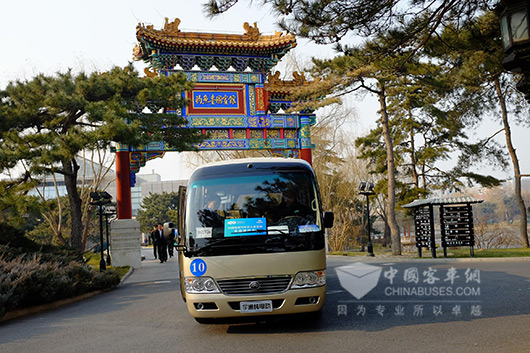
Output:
x,y
259,285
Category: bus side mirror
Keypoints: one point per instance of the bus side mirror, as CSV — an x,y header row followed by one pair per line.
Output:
x,y
329,217
181,248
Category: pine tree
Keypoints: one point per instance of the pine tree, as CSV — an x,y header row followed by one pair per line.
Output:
x,y
474,54
332,20
157,208
371,68
47,121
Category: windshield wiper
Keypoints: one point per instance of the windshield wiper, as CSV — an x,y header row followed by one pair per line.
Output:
x,y
281,233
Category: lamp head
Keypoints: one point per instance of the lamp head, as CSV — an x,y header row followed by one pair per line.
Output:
x,y
100,197
362,186
105,195
366,187
514,24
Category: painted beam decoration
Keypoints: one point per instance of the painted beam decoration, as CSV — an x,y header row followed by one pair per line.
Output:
x,y
217,100
236,102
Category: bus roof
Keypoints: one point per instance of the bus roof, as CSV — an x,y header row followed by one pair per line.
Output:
x,y
243,164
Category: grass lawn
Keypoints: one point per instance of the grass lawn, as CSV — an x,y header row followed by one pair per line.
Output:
x,y
451,252
464,252
93,259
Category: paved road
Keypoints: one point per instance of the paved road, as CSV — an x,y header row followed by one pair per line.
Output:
x,y
146,314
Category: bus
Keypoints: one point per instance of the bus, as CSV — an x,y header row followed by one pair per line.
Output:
x,y
251,240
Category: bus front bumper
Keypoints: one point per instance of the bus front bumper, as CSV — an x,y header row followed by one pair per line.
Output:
x,y
292,301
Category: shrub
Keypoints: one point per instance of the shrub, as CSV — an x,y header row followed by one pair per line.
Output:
x,y
31,274
30,281
15,238
13,243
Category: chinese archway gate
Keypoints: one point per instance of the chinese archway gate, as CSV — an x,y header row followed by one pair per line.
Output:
x,y
236,102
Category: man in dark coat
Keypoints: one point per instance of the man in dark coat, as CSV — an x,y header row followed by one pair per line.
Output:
x,y
154,239
162,244
171,242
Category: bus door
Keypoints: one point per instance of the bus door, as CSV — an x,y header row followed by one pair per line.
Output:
x,y
181,240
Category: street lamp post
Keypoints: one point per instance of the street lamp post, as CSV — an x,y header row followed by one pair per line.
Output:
x,y
101,198
107,234
516,40
109,211
367,189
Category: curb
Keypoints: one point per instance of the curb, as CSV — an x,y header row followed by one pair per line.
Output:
x,y
129,273
10,315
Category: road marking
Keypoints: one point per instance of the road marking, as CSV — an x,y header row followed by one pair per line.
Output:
x,y
334,291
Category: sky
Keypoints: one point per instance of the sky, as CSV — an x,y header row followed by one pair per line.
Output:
x,y
55,35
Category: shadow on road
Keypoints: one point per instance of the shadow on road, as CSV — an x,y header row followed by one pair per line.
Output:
x,y
440,293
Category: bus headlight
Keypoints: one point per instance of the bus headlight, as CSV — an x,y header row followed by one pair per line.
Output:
x,y
200,285
309,279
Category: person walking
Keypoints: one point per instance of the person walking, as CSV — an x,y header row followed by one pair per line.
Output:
x,y
154,240
162,244
171,242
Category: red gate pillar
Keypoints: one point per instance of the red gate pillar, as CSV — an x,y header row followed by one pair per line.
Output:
x,y
123,185
305,138
305,154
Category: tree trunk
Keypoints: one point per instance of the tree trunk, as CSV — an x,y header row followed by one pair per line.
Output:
x,y
424,176
70,180
391,197
415,177
516,169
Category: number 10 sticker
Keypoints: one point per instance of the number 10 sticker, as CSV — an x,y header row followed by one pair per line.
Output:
x,y
198,267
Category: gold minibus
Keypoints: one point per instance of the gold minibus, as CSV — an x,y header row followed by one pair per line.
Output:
x,y
251,239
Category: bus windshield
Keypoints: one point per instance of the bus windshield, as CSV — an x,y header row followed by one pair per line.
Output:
x,y
255,213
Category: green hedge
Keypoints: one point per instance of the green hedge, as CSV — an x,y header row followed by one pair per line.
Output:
x,y
31,275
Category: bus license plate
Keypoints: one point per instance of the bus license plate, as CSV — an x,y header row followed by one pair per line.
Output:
x,y
262,306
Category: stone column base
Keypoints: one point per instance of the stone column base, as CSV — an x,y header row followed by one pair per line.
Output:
x,y
125,242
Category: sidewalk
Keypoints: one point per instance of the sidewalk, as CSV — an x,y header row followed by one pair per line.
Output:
x,y
152,270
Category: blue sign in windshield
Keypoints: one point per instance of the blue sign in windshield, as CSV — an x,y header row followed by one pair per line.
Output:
x,y
244,226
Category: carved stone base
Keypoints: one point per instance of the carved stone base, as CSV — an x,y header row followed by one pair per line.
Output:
x,y
125,242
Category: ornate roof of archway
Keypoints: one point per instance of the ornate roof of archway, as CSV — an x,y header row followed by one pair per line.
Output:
x,y
169,46
277,86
